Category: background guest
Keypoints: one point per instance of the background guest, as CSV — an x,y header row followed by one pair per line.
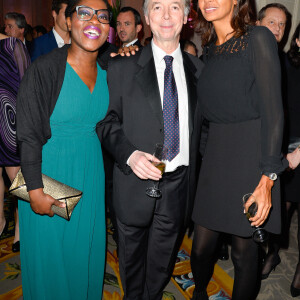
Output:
x,y
239,94
62,97
16,26
58,36
274,16
38,31
14,60
290,179
129,24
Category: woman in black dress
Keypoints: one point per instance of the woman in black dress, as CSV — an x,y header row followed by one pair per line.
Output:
x,y
240,95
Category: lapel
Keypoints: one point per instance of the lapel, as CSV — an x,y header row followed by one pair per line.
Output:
x,y
147,79
52,40
191,75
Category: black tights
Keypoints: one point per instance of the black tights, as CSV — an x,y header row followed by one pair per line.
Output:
x,y
244,254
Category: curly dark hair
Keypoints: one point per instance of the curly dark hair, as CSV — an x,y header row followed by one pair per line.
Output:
x,y
73,3
243,16
294,54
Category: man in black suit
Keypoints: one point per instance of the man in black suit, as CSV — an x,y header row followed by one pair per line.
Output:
x,y
129,24
16,26
152,100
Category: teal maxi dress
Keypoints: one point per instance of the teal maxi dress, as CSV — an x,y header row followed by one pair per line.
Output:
x,y
66,259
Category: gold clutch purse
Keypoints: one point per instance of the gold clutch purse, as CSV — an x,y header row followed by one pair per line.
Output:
x,y
52,187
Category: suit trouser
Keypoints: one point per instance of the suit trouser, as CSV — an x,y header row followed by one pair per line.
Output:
x,y
147,254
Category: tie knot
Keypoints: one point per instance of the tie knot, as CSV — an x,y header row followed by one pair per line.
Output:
x,y
168,59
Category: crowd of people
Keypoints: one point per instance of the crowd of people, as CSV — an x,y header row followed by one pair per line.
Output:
x,y
89,114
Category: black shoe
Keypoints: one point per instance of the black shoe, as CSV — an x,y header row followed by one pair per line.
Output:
x,y
275,263
294,291
5,229
16,247
223,253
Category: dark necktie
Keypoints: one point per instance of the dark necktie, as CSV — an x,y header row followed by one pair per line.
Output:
x,y
170,111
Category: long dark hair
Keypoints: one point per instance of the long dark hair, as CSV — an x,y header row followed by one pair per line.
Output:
x,y
243,15
293,53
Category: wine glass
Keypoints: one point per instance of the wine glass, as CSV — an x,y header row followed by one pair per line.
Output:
x,y
160,152
259,235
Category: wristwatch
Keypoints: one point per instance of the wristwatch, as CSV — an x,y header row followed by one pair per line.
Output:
x,y
272,176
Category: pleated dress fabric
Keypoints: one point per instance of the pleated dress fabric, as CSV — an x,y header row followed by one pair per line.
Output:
x,y
66,259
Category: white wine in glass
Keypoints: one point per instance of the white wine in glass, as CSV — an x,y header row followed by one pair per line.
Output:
x,y
160,153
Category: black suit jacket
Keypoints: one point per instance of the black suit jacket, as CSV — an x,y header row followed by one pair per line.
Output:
x,y
138,43
43,45
134,121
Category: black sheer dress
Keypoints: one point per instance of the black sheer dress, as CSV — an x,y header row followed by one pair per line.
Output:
x,y
240,95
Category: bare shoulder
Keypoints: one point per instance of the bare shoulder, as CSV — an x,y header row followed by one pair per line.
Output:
x,y
2,36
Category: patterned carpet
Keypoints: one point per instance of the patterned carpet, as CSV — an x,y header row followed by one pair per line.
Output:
x,y
181,286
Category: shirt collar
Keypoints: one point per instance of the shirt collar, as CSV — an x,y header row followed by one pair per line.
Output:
x,y
59,39
131,43
159,54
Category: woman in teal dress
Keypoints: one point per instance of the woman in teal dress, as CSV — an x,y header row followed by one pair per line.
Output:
x,y
62,97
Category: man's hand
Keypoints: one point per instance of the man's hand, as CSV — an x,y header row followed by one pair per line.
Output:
x,y
140,163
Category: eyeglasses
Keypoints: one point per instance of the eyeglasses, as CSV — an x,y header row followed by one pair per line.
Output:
x,y
85,13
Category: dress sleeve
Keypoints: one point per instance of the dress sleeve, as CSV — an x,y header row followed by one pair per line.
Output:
x,y
267,76
33,129
21,57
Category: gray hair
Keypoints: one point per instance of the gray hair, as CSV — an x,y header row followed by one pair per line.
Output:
x,y
19,19
187,4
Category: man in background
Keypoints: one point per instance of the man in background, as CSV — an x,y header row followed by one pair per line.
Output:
x,y
129,25
15,26
274,16
58,36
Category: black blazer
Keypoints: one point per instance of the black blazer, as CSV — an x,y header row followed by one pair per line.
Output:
x,y
134,121
138,43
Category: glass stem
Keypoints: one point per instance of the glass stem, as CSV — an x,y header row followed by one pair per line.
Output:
x,y
156,184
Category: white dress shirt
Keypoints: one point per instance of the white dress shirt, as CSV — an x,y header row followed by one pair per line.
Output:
x,y
59,40
130,44
182,158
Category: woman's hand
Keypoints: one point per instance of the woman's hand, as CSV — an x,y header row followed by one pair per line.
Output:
x,y
294,158
262,195
41,203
